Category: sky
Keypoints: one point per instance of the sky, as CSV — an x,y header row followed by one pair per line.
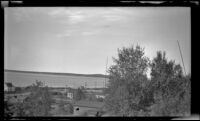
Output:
x,y
79,39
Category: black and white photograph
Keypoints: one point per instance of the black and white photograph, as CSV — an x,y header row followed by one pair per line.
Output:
x,y
97,61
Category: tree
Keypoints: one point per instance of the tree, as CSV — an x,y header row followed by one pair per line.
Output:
x,y
7,109
169,87
79,94
38,103
127,82
9,84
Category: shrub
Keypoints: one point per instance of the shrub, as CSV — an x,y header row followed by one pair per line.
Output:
x,y
69,108
66,108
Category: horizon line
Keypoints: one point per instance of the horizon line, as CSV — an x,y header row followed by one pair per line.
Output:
x,y
57,73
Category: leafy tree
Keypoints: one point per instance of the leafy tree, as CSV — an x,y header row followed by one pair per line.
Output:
x,y
9,84
38,103
19,109
7,109
127,82
169,87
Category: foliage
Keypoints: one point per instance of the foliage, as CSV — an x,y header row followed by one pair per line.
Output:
x,y
18,89
171,90
38,103
66,107
130,93
9,84
7,109
79,94
91,97
69,108
127,81
56,93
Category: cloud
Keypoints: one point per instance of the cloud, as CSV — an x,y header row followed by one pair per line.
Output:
x,y
74,32
67,33
97,15
21,14
86,33
68,15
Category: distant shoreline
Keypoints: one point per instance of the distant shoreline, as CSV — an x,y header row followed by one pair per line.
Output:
x,y
57,73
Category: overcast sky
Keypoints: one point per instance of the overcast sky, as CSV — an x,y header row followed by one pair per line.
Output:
x,y
79,39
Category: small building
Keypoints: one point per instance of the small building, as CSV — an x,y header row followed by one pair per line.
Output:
x,y
100,96
70,92
70,95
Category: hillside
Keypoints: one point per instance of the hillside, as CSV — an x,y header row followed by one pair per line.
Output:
x,y
56,73
25,78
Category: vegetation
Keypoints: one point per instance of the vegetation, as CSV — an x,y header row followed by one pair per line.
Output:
x,y
79,94
9,84
127,81
38,103
131,93
170,89
19,90
66,107
7,109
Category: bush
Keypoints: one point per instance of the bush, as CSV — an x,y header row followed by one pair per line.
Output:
x,y
18,89
66,108
69,108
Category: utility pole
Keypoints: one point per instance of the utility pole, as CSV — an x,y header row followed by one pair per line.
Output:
x,y
181,57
